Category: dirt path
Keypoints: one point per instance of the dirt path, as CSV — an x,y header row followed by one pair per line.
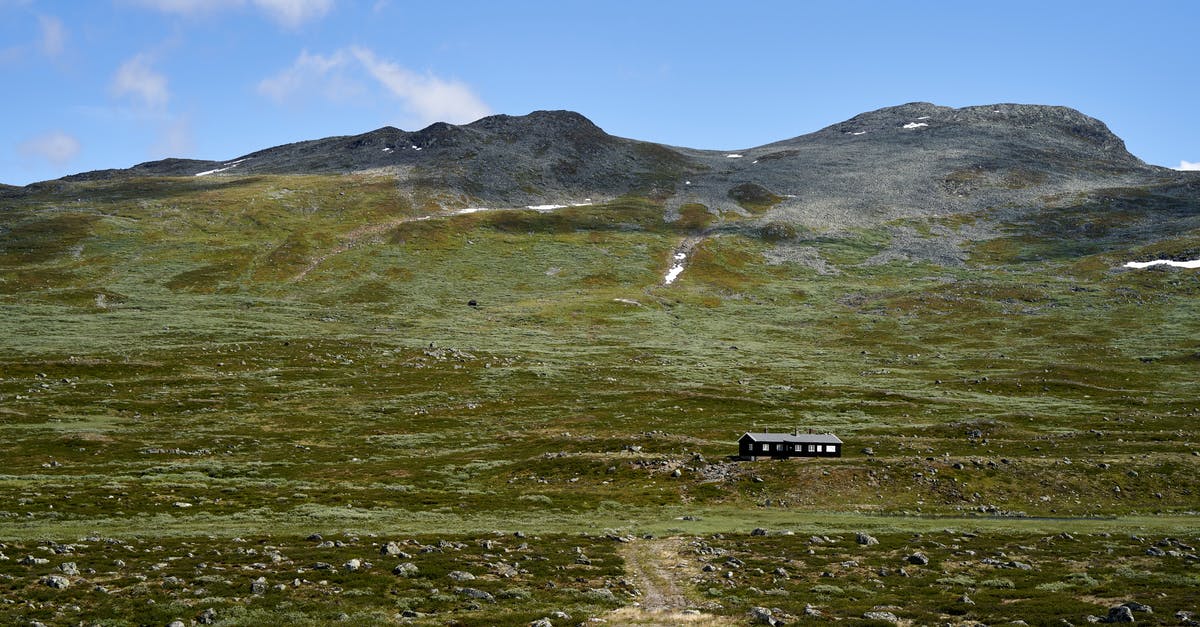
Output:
x,y
661,573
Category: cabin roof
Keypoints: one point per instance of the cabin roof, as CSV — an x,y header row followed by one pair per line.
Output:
x,y
803,438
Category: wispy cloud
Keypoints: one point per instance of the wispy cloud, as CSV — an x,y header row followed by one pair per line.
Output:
x,y
288,13
57,147
1189,166
350,72
293,13
54,35
429,97
136,79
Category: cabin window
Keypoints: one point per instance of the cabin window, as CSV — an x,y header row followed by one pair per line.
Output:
x,y
762,447
812,448
779,447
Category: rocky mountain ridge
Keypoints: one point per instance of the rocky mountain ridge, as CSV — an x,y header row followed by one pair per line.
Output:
x,y
909,161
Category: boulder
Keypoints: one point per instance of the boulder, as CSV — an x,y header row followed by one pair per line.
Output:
x,y
866,539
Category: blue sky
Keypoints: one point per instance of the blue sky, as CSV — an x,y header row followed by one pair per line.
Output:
x,y
95,84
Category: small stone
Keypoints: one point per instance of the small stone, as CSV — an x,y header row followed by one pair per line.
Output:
x,y
69,568
677,473
758,531
918,558
459,575
966,600
353,565
406,569
885,616
176,623
866,539
258,586
207,617
541,622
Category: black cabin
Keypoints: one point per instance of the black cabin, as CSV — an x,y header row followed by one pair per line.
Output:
x,y
779,445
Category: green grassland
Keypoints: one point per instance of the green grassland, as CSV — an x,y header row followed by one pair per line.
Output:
x,y
183,361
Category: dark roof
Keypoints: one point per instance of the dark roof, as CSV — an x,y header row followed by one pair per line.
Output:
x,y
803,438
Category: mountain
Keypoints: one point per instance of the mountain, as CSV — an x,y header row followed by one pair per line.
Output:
x,y
912,160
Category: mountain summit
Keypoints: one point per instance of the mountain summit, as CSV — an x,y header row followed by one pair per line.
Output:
x,y
911,160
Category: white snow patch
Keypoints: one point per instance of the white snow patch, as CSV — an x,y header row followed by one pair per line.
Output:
x,y
228,166
416,147
628,301
676,269
687,182
467,210
915,125
733,156
1195,263
859,133
387,149
924,117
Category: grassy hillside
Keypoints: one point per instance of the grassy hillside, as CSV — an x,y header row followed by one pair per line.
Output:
x,y
187,360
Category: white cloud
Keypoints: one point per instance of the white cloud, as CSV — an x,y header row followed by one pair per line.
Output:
x,y
432,99
340,76
56,147
54,35
289,13
135,78
312,72
1189,166
293,13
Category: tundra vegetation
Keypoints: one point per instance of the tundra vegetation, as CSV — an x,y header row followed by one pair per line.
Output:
x,y
247,399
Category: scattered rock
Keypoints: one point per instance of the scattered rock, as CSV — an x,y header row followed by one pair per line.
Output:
x,y
918,558
541,622
966,600
758,531
207,617
1119,614
391,549
477,594
866,539
353,565
1134,606
886,616
69,568
763,616
58,582
459,575
258,586
407,569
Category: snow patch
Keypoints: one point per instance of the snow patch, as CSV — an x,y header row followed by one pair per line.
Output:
x,y
467,210
915,125
676,269
387,149
733,156
924,117
628,301
228,166
545,207
1195,263
859,133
